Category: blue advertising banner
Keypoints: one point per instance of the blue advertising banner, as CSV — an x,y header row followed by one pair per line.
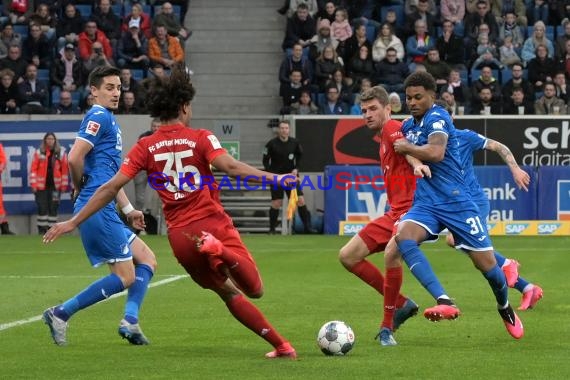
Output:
x,y
554,193
355,193
20,140
506,200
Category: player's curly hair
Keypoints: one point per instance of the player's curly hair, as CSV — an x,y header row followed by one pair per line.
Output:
x,y
167,94
377,92
421,79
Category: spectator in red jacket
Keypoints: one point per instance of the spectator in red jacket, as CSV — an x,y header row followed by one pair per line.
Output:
x,y
144,20
89,37
49,177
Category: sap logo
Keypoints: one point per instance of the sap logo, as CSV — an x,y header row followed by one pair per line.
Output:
x,y
559,140
515,229
548,228
352,228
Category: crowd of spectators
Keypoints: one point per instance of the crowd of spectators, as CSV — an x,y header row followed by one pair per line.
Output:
x,y
48,48
487,56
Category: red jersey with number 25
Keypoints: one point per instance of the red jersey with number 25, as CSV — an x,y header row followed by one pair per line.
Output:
x,y
177,160
398,174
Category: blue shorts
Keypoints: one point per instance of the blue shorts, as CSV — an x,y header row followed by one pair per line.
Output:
x,y
484,208
105,237
460,218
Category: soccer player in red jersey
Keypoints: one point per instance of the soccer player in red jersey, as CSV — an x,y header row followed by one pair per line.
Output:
x,y
201,234
400,182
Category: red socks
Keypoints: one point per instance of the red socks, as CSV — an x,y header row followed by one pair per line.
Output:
x,y
252,318
369,274
244,272
392,297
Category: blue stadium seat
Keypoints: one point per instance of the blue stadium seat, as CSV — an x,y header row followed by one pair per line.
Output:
x,y
506,75
22,30
85,10
549,32
118,9
399,9
464,75
371,33
137,74
75,98
559,31
321,99
43,74
459,29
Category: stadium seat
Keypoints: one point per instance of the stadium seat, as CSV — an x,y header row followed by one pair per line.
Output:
x,y
75,98
559,31
22,30
549,32
321,99
43,74
137,74
118,9
370,33
506,75
464,75
399,9
85,10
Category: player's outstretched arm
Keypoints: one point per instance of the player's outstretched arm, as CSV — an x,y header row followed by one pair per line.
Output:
x,y
522,179
234,168
102,196
433,151
135,217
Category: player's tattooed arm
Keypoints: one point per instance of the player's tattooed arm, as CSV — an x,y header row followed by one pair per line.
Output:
x,y
503,151
522,179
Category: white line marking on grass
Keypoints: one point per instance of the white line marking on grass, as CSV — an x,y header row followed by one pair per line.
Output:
x,y
42,277
6,326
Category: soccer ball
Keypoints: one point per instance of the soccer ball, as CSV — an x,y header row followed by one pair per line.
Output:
x,y
335,338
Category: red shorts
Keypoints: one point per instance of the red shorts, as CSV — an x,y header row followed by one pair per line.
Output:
x,y
197,264
378,232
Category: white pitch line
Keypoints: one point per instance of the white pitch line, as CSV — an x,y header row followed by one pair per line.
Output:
x,y
6,326
43,277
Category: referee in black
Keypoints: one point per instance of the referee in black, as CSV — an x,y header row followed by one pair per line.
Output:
x,y
282,155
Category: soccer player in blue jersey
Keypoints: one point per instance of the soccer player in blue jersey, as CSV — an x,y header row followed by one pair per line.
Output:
x,y
443,201
94,159
470,142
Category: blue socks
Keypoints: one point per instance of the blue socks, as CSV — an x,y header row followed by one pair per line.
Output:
x,y
137,291
97,291
420,267
499,258
521,284
498,282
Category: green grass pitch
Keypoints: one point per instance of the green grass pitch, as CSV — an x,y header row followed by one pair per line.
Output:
x,y
193,336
